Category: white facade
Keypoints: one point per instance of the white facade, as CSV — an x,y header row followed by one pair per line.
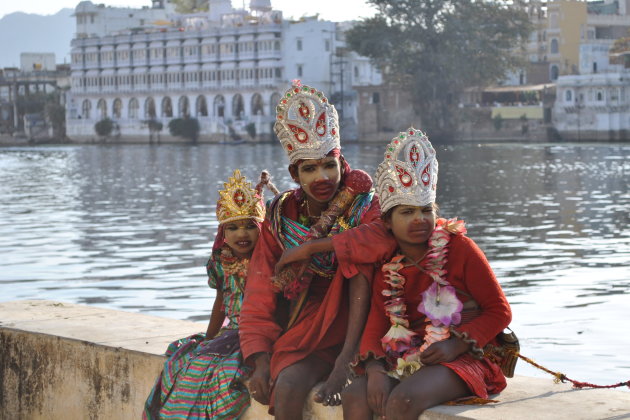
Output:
x,y
594,106
227,75
594,58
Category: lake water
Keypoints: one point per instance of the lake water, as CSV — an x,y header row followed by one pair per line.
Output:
x,y
131,227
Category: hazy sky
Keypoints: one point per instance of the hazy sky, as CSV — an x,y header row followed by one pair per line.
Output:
x,y
336,10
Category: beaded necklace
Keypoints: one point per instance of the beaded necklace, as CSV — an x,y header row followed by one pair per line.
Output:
x,y
234,266
439,302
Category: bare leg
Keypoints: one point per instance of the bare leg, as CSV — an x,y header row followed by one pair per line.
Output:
x,y
328,394
294,384
354,400
428,387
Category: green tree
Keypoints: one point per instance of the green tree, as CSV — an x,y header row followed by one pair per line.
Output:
x,y
436,48
190,6
56,115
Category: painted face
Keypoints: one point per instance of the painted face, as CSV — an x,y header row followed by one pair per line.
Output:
x,y
412,225
320,178
241,236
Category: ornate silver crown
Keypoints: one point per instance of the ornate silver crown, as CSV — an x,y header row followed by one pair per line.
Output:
x,y
408,175
306,124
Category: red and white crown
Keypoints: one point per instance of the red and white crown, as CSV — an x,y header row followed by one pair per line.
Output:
x,y
306,124
238,200
408,175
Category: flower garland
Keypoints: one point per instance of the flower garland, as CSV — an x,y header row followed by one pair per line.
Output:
x,y
439,302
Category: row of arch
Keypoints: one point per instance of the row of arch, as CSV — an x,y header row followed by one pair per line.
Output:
x,y
149,110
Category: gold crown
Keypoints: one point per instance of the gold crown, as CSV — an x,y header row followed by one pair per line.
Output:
x,y
306,124
408,175
238,200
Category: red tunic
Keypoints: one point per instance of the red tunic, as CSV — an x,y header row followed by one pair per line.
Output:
x,y
467,270
320,328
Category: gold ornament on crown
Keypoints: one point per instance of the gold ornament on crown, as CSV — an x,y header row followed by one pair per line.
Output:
x,y
238,200
408,175
306,124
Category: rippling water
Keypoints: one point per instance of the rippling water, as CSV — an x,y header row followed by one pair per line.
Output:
x,y
130,227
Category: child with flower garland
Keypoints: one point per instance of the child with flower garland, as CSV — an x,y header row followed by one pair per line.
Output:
x,y
202,377
435,300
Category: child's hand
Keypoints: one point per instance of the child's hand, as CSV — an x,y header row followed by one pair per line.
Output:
x,y
291,255
444,351
379,386
259,382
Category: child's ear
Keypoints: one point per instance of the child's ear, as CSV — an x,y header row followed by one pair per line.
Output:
x,y
388,223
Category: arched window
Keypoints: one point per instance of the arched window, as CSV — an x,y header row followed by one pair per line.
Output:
x,y
218,108
86,108
554,46
134,106
600,95
568,95
237,106
183,107
167,107
275,100
258,107
117,108
201,107
102,109
149,109
554,72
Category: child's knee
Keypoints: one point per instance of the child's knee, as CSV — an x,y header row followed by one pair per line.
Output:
x,y
404,402
289,387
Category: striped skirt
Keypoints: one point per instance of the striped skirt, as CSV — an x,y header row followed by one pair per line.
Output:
x,y
197,383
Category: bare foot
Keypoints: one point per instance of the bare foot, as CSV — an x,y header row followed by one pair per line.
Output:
x,y
330,392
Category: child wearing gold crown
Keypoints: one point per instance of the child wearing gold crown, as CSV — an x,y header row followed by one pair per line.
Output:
x,y
435,300
202,377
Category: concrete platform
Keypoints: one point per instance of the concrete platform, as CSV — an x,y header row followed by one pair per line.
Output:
x,y
67,361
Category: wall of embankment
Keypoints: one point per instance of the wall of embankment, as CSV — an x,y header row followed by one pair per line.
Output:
x,y
67,361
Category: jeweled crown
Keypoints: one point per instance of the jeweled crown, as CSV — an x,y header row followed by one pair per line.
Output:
x,y
306,124
408,175
238,200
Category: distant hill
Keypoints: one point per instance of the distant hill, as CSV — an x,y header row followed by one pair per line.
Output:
x,y
24,32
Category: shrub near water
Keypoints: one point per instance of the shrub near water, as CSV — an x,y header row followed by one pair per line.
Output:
x,y
104,127
187,128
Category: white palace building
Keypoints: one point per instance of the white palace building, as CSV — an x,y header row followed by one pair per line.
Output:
x,y
226,67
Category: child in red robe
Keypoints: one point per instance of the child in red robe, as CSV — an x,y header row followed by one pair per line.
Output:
x,y
295,330
435,301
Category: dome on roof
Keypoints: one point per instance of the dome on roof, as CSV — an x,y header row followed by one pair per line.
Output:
x,y
84,6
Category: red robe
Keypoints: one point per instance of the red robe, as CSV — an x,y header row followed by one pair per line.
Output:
x,y
320,328
468,271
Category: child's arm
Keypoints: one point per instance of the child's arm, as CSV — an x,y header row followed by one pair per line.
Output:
x,y
217,316
365,244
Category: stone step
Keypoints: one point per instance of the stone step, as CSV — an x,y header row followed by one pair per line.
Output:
x,y
67,361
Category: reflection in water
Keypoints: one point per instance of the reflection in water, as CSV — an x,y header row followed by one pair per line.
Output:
x,y
130,227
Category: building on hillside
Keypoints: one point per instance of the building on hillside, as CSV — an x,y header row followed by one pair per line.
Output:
x,y
30,87
32,62
227,68
96,20
566,33
593,106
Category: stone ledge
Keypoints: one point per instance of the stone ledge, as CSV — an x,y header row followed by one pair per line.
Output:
x,y
67,361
